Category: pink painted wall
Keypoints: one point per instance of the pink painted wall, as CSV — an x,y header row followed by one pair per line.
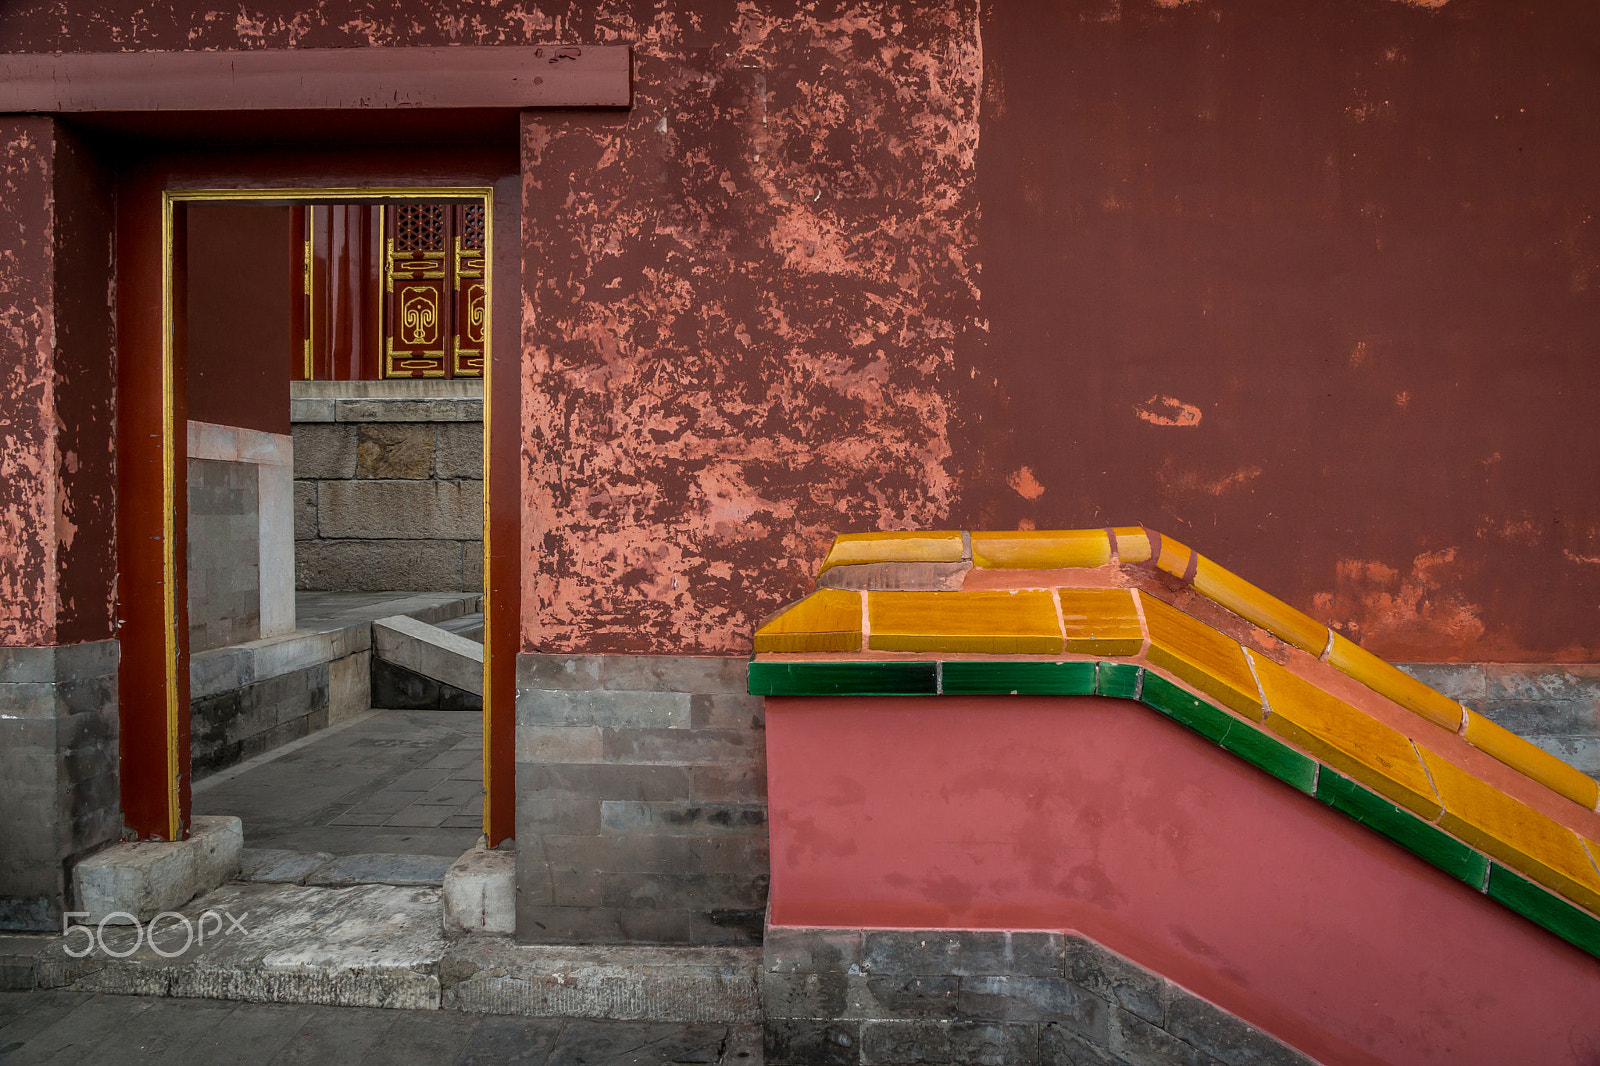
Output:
x,y
1103,817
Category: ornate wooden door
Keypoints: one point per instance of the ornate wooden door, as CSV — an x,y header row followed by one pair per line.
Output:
x,y
434,291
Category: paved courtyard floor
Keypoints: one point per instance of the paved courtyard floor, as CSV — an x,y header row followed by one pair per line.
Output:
x,y
80,1027
395,782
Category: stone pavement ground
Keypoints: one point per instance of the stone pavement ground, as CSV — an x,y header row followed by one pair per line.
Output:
x,y
61,1027
392,782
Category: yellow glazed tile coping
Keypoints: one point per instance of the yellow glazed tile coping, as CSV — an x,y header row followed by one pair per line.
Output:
x,y
1100,621
826,620
1532,761
1200,656
1514,833
1250,603
1133,543
943,546
1041,550
1347,739
1172,557
1355,661
994,622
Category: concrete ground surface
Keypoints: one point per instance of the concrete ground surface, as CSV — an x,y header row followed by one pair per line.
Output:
x,y
61,1027
392,782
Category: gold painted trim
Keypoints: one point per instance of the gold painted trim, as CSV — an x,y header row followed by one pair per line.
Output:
x,y
310,290
488,406
169,511
309,197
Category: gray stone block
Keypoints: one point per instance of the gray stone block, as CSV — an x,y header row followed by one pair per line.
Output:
x,y
280,867
670,818
400,510
617,710
559,744
430,651
458,450
1459,681
305,510
394,450
1548,718
1035,999
943,1041
679,747
789,950
1136,1042
543,923
620,852
634,673
98,658
472,565
564,813
22,666
805,995
742,783
1060,1046
407,410
311,409
324,450
381,869
1114,978
895,995
139,880
1225,1037
378,565
1541,683
28,699
607,780
726,711
787,1041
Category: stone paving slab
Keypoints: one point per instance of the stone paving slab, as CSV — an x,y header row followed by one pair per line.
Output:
x,y
384,946
110,1030
277,866
426,870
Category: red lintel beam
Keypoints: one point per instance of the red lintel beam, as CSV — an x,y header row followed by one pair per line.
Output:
x,y
311,79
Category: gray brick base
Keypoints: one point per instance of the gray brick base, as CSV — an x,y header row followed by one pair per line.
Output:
x,y
1554,705
641,800
851,996
58,760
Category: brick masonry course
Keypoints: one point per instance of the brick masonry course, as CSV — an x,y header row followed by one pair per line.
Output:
x,y
641,800
388,493
58,757
853,996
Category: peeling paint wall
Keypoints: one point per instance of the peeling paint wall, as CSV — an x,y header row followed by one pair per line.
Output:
x,y
27,400
741,317
1317,289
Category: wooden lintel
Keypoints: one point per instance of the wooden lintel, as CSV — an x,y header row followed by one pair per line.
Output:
x,y
315,79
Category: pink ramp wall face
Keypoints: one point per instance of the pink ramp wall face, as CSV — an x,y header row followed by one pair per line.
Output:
x,y
1100,816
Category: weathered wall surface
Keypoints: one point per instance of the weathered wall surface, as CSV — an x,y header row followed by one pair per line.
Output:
x,y
57,368
1314,288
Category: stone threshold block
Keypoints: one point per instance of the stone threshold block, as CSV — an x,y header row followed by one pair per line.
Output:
x,y
480,894
135,881
430,651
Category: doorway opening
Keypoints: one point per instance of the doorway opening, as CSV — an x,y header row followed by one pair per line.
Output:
x,y
334,348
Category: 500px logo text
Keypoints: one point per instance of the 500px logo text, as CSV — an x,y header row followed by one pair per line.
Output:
x,y
93,938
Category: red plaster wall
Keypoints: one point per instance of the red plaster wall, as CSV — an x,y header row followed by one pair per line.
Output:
x,y
1103,817
57,498
1312,287
27,405
241,259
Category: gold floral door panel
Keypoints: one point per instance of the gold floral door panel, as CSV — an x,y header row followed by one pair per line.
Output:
x,y
434,291
392,291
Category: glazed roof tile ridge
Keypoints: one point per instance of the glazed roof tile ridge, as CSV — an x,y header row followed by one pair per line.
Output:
x,y
1144,547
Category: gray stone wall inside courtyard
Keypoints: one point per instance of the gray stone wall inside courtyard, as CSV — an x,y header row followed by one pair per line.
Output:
x,y
388,489
58,759
641,800
854,996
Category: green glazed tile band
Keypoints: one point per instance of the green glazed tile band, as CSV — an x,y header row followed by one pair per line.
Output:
x,y
966,677
1425,841
1567,921
1117,680
1272,755
917,678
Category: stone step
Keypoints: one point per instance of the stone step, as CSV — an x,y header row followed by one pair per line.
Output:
x,y
429,651
469,626
384,946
